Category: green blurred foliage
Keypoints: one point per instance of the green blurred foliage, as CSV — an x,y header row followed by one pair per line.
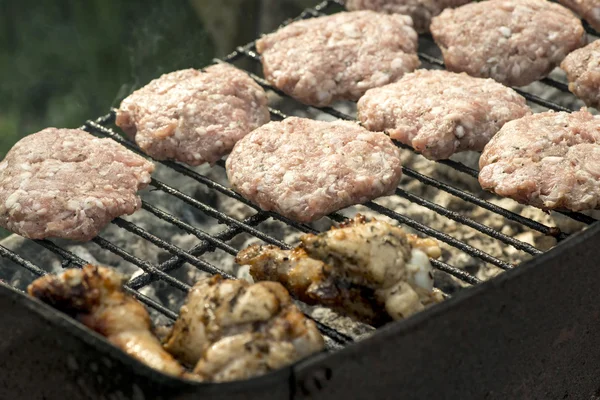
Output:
x,y
62,62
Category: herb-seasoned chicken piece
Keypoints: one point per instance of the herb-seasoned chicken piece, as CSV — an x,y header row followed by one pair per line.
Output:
x,y
231,329
371,271
94,296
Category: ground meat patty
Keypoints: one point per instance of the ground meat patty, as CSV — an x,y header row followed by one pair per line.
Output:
x,y
587,9
66,183
583,71
515,42
193,116
421,11
440,113
549,160
340,56
305,169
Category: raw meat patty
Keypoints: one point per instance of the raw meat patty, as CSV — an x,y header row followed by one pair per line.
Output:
x,y
440,113
306,169
66,183
549,160
515,42
421,11
583,71
587,9
193,116
340,56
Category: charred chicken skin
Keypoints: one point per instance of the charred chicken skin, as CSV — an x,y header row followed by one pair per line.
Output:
x,y
371,271
94,296
231,329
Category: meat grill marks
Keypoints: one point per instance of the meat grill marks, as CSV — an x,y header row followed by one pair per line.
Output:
x,y
162,272
440,113
514,42
66,183
338,57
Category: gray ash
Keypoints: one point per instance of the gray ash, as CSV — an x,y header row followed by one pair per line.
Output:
x,y
172,298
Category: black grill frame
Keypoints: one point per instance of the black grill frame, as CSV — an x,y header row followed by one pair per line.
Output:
x,y
209,243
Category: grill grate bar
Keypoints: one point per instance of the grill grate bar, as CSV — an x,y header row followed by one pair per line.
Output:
x,y
468,222
276,113
446,238
531,97
147,267
266,85
96,127
11,255
439,235
544,103
230,193
578,217
80,262
222,217
200,264
209,243
456,165
332,333
475,174
172,315
528,96
175,262
551,231
144,265
188,228
453,164
589,29
458,273
337,336
555,84
14,257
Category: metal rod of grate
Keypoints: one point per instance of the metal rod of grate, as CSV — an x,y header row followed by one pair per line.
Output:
x,y
209,243
247,50
100,129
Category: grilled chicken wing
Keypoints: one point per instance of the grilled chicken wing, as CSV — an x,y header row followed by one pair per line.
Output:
x,y
230,330
371,271
94,296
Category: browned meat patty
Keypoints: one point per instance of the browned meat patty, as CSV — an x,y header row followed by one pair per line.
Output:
x,y
421,11
440,113
306,169
583,71
231,330
340,56
370,271
66,183
587,9
193,116
549,160
515,42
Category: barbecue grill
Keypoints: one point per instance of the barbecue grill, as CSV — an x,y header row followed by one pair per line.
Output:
x,y
529,333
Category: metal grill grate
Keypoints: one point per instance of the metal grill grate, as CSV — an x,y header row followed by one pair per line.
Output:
x,y
208,243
